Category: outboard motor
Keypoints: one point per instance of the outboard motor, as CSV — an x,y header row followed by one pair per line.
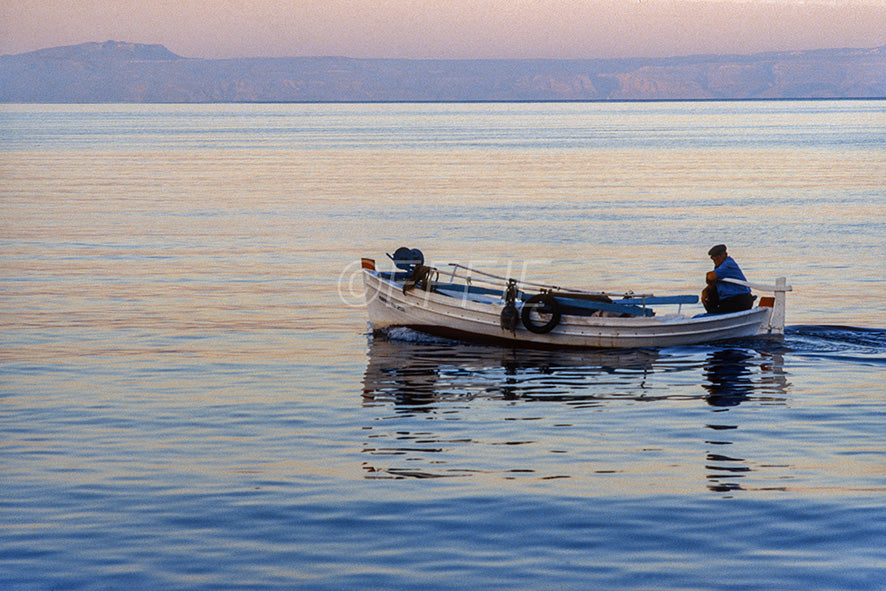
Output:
x,y
406,259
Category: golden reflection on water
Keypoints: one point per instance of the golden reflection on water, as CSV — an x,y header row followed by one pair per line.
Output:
x,y
289,216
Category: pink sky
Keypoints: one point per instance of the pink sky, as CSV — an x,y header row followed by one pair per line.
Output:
x,y
447,28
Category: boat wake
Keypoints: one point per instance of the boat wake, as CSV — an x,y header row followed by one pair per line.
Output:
x,y
838,343
407,335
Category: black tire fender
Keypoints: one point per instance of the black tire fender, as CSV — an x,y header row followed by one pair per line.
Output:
x,y
544,303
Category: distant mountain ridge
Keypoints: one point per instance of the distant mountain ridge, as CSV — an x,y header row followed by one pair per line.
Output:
x,y
111,50
135,73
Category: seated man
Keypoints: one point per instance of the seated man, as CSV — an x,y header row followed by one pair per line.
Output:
x,y
722,297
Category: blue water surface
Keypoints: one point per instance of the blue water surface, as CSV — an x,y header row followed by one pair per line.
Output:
x,y
190,397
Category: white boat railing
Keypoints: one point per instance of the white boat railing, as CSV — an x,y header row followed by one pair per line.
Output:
x,y
494,279
780,285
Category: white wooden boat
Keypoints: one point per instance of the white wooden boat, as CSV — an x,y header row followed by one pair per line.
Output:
x,y
470,305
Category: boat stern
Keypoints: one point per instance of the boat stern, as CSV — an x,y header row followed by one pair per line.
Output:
x,y
777,303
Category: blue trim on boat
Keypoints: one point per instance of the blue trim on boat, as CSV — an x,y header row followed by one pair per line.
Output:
x,y
617,307
474,289
661,300
393,275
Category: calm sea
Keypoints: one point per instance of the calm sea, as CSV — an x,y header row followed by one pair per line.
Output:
x,y
189,398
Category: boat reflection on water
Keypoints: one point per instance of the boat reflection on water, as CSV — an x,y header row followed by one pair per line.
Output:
x,y
734,376
425,370
729,377
456,412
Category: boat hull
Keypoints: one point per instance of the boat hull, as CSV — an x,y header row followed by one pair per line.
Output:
x,y
466,319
